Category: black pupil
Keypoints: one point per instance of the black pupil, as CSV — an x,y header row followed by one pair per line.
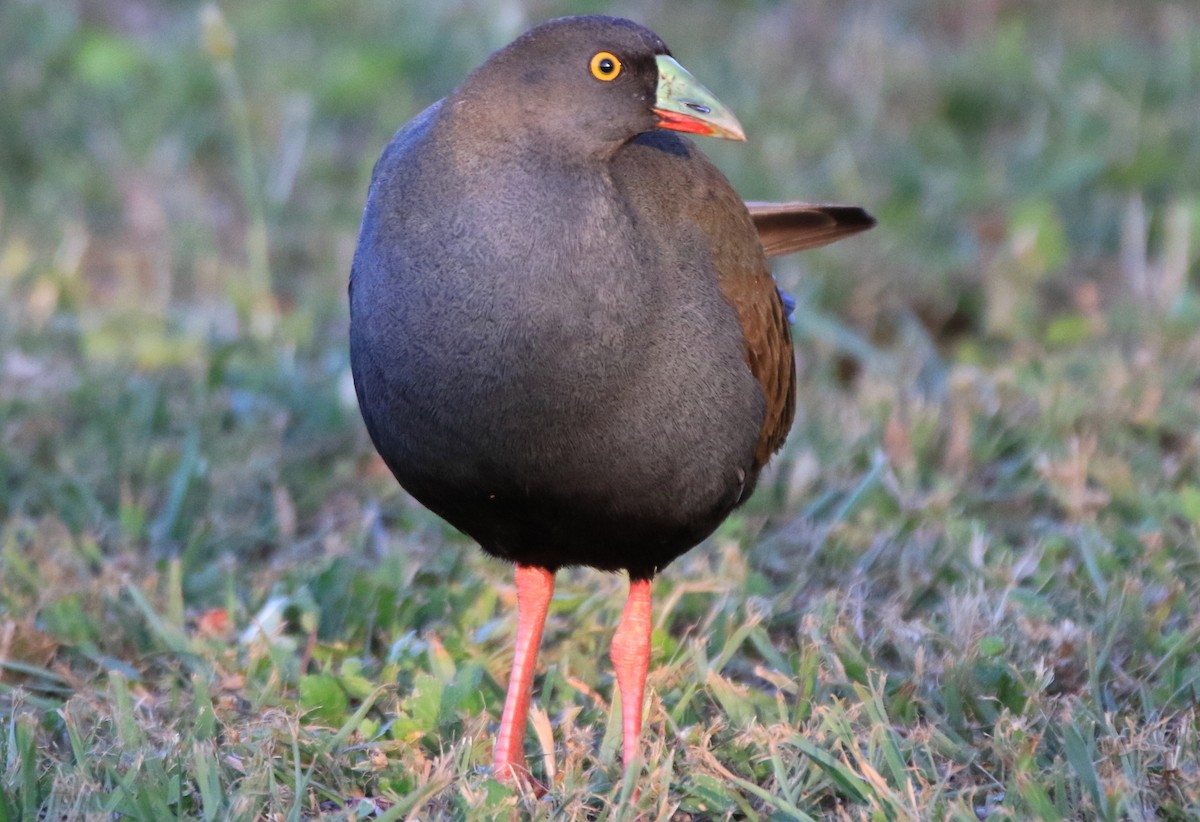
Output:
x,y
606,66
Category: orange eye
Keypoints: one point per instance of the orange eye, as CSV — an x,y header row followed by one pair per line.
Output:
x,y
605,66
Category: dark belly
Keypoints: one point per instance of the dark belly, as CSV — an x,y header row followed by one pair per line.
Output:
x,y
627,484
553,530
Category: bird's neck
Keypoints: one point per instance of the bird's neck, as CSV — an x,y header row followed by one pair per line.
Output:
x,y
518,131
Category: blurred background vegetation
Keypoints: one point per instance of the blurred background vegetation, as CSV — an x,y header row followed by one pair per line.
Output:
x,y
999,384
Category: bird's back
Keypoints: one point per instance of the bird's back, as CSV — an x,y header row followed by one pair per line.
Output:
x,y
667,175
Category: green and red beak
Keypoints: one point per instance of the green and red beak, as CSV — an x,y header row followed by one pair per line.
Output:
x,y
682,104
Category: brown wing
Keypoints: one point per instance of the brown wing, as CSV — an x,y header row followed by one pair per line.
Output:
x,y
784,228
747,284
768,353
671,180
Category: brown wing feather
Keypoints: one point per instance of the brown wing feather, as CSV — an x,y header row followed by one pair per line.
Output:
x,y
768,353
747,284
784,228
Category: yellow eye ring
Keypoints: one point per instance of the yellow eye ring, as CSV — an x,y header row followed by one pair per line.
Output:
x,y
605,66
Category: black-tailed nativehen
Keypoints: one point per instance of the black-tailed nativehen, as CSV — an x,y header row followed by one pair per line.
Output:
x,y
564,336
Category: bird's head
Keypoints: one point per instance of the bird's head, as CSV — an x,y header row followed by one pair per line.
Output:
x,y
593,83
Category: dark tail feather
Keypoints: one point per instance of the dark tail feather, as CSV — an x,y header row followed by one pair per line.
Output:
x,y
784,228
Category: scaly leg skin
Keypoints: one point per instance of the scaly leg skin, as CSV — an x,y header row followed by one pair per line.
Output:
x,y
535,586
631,659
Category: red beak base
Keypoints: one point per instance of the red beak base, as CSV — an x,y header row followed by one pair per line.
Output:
x,y
681,122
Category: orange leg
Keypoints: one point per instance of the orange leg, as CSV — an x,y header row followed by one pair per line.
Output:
x,y
535,586
631,659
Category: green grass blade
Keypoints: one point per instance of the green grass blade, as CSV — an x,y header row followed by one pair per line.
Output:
x,y
208,780
848,782
1079,754
170,635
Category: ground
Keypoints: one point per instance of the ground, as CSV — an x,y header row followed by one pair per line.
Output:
x,y
967,588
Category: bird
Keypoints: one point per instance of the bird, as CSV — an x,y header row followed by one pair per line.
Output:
x,y
564,336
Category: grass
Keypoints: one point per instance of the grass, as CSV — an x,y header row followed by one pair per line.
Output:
x,y
967,588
